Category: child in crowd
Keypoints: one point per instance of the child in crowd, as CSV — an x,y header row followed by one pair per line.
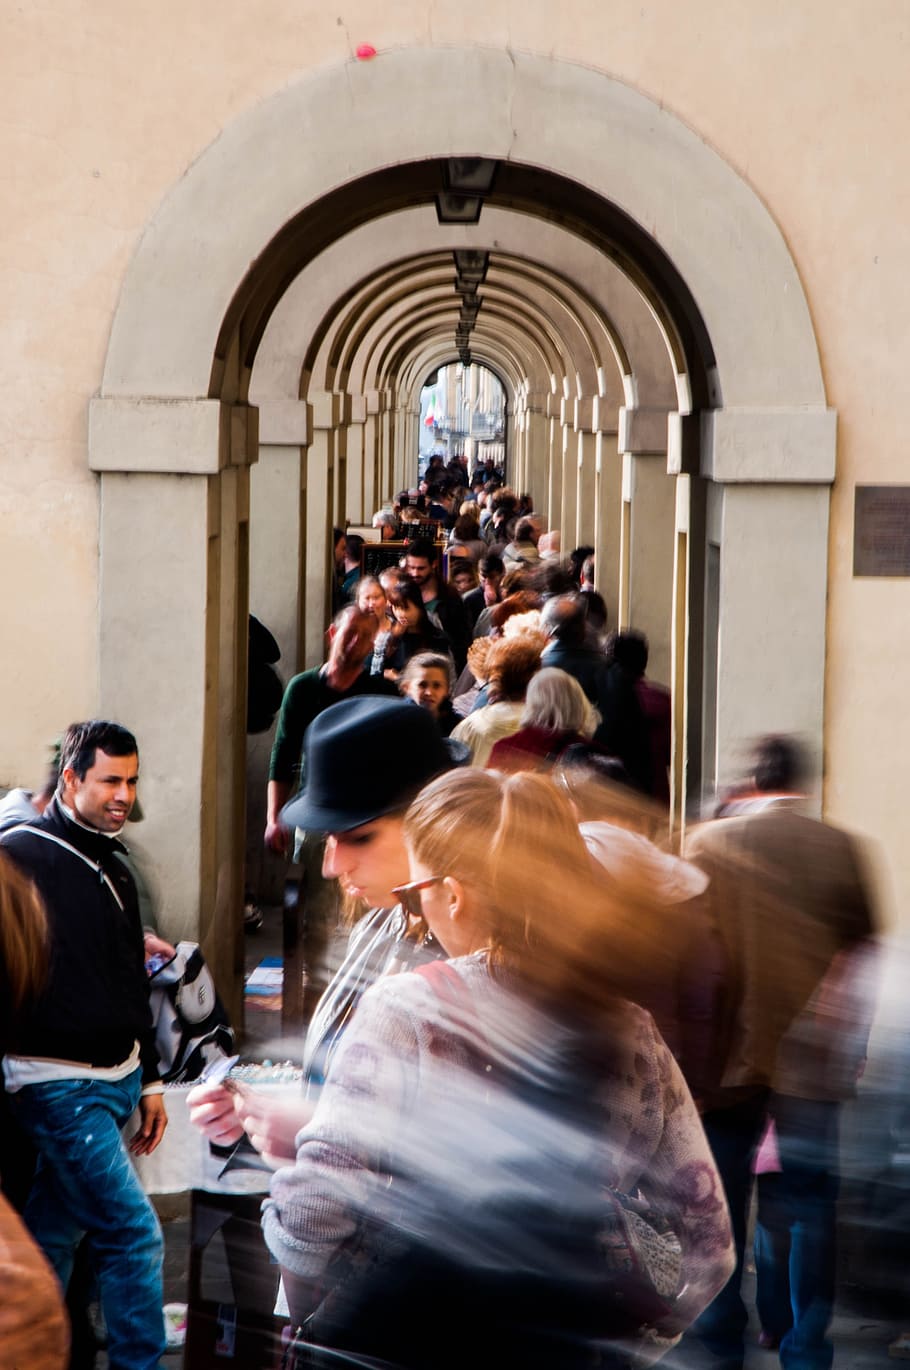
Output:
x,y
428,679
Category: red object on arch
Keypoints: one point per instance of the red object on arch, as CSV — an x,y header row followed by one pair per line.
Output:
x,y
365,51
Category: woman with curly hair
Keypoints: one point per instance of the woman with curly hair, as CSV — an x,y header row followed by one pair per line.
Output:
x,y
507,666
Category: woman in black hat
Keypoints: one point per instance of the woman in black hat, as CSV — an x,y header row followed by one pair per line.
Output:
x,y
366,759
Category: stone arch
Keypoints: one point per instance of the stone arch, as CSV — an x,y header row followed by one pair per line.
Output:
x,y
173,436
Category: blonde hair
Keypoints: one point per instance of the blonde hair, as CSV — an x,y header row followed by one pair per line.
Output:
x,y
550,913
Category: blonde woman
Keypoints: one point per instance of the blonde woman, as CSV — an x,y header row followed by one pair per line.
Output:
x,y
448,1203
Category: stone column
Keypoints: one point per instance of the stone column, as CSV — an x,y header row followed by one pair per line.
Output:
x,y
568,460
554,463
277,590
173,611
769,532
536,447
679,642
404,470
359,509
386,430
687,647
517,473
278,525
586,470
649,497
375,492
340,515
608,507
320,479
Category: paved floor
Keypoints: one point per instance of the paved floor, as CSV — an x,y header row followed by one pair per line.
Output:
x,y
862,1331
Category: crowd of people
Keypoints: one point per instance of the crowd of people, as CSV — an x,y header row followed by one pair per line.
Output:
x,y
538,1084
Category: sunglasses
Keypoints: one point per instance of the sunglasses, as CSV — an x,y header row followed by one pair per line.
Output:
x,y
409,895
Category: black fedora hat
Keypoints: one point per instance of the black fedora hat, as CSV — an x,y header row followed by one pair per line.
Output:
x,y
364,758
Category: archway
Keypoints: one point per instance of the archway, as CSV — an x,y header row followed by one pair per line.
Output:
x,y
462,413
172,432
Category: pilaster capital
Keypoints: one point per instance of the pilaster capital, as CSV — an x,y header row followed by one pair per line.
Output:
x,y
769,446
643,431
330,409
285,423
169,436
583,413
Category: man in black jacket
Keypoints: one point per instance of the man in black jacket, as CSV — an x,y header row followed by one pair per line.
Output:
x,y
84,1057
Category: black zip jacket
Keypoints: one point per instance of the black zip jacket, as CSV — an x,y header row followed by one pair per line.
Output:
x,y
96,1001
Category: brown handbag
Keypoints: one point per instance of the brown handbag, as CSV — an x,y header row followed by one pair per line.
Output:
x,y
34,1329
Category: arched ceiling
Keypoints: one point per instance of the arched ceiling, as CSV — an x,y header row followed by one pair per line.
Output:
x,y
380,307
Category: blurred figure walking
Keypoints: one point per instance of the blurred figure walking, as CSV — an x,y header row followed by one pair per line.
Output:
x,y
790,898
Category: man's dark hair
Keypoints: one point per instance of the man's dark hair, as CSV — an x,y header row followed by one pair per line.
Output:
x,y
52,775
587,570
630,650
549,579
597,611
355,545
491,565
576,561
82,740
424,548
525,530
337,535
564,618
779,764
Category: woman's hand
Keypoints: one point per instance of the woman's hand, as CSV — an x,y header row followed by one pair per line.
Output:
x,y
212,1110
272,1120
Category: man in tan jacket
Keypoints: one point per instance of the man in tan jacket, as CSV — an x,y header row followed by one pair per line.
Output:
x,y
789,896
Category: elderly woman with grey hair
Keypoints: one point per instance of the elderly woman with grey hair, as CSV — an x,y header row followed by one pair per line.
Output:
x,y
557,714
385,520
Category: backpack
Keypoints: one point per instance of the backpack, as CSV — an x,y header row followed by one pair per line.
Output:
x,y
264,688
191,1025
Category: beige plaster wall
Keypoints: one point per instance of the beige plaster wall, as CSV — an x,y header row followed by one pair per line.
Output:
x,y
103,110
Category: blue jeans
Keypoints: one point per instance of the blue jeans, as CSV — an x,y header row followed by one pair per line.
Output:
x,y
795,1234
734,1134
85,1184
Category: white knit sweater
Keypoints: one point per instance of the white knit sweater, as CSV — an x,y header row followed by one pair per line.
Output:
x,y
432,1114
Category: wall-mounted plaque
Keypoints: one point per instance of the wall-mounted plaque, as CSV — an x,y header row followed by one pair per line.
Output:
x,y
881,530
